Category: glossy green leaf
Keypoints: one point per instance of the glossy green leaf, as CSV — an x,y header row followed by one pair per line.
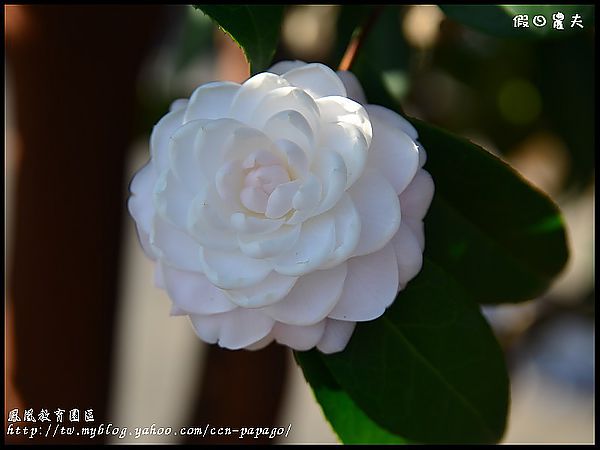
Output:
x,y
350,423
503,240
254,27
498,19
430,368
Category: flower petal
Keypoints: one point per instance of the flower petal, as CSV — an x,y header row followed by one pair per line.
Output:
x,y
261,344
296,157
308,195
347,231
299,337
371,286
336,336
286,99
265,293
229,180
311,299
172,200
211,101
178,104
294,127
193,293
418,229
207,221
417,196
233,270
331,169
183,159
234,329
342,109
392,120
250,146
140,204
175,247
161,136
144,240
280,200
315,244
251,93
316,79
394,154
408,254
244,223
353,88
282,67
422,154
225,139
379,210
347,140
270,244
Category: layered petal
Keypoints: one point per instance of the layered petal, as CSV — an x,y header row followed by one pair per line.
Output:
x,y
417,196
314,245
282,67
347,231
208,221
233,270
311,299
299,337
211,101
193,293
316,79
342,109
371,286
245,223
336,336
392,120
350,143
379,210
251,93
161,136
183,159
174,246
331,170
172,200
270,244
394,154
292,126
353,88
286,99
268,291
235,329
280,200
408,254
140,204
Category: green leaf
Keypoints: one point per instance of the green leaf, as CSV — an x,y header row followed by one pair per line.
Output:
x,y
498,19
196,38
430,368
383,69
350,423
255,28
499,237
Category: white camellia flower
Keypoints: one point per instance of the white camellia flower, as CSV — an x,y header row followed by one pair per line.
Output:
x,y
284,208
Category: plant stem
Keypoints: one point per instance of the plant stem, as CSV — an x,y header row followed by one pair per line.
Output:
x,y
359,38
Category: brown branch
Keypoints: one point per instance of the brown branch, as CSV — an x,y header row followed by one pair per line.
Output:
x,y
359,38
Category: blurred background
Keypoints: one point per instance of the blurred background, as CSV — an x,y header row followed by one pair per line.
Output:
x,y
86,328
